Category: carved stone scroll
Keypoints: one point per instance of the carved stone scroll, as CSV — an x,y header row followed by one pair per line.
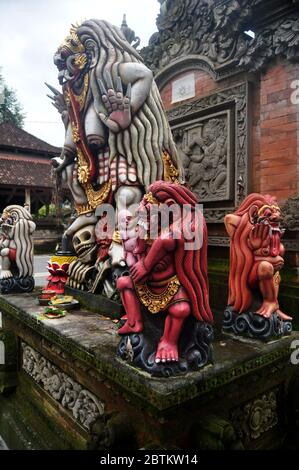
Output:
x,y
83,406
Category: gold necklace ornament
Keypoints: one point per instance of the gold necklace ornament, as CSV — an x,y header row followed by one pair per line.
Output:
x,y
157,302
97,197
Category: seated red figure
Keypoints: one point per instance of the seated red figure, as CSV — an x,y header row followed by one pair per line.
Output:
x,y
169,275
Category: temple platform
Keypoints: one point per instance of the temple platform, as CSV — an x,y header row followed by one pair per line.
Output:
x,y
63,387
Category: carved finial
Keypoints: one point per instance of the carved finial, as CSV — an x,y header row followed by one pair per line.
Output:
x,y
129,33
124,23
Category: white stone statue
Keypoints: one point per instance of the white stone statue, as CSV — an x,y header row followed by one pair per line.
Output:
x,y
16,250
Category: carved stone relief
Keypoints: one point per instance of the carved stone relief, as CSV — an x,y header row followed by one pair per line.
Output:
x,y
192,27
83,406
256,417
206,152
211,134
290,213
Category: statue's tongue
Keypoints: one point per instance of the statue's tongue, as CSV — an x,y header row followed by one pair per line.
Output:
x,y
275,243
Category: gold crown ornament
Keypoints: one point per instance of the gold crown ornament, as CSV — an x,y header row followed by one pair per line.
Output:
x,y
72,41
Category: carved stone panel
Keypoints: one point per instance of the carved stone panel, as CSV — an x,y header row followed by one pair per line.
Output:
x,y
207,157
83,406
256,417
290,213
212,136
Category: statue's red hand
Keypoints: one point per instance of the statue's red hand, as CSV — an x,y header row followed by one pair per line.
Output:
x,y
259,236
139,272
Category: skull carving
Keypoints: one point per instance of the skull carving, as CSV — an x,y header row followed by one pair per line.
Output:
x,y
84,243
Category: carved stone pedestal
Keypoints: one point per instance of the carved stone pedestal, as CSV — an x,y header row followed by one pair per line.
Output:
x,y
17,285
255,326
195,346
72,391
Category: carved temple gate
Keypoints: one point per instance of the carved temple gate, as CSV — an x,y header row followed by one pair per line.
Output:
x,y
227,75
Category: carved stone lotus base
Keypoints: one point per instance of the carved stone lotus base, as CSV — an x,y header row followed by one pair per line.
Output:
x,y
255,326
195,348
17,285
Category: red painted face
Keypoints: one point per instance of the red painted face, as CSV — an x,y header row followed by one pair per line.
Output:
x,y
271,214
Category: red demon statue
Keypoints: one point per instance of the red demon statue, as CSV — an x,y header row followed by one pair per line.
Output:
x,y
168,284
256,258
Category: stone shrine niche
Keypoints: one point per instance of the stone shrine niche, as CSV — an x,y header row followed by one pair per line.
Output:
x,y
206,153
212,136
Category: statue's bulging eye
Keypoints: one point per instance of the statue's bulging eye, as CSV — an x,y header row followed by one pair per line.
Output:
x,y
267,213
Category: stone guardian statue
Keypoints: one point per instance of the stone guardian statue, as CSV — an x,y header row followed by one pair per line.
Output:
x,y
16,250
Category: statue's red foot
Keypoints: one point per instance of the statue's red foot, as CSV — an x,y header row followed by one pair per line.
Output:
x,y
128,328
166,352
283,316
267,309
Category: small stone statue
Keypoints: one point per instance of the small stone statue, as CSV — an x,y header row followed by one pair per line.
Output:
x,y
167,327
256,258
16,249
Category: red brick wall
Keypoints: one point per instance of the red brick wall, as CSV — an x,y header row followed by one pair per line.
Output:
x,y
275,163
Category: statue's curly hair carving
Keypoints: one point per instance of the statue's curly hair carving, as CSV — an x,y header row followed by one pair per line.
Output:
x,y
191,265
23,228
241,256
149,134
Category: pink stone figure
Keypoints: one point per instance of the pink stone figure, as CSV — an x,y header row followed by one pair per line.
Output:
x,y
132,236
